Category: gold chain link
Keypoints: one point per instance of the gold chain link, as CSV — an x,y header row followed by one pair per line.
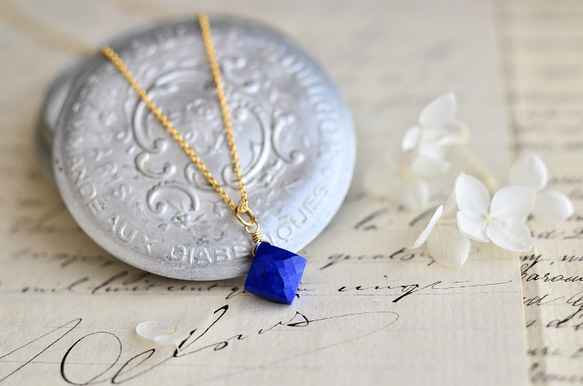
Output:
x,y
251,224
212,57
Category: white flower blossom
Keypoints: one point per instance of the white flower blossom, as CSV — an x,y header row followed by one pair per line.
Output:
x,y
165,333
442,238
425,147
501,221
403,185
437,129
551,206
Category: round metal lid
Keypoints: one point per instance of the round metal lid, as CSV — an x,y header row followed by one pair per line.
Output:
x,y
47,122
135,192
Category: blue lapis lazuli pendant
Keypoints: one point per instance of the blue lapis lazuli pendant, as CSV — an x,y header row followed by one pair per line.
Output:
x,y
275,274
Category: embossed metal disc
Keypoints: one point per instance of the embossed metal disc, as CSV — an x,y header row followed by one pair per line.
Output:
x,y
47,123
135,192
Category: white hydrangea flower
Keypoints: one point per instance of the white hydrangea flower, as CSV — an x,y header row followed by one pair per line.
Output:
x,y
165,333
437,129
404,185
442,238
501,221
425,148
551,206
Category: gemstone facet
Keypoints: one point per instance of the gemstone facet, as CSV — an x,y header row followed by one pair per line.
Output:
x,y
275,274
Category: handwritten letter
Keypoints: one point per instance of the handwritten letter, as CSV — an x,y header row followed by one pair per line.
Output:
x,y
369,310
546,83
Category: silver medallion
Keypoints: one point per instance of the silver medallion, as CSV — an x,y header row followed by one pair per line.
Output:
x,y
134,191
47,123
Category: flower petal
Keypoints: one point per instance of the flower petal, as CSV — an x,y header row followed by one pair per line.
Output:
x,y
552,207
529,170
153,328
472,225
432,136
175,338
454,138
428,167
471,194
433,150
511,235
448,246
427,231
416,193
411,139
450,207
512,203
439,112
196,320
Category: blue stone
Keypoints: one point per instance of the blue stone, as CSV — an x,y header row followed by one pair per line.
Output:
x,y
275,274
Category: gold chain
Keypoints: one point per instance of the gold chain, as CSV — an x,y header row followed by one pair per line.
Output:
x,y
212,57
251,224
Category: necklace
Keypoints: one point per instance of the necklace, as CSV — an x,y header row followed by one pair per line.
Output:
x,y
275,273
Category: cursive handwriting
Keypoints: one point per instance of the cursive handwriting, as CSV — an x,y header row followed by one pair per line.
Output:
x,y
125,281
41,223
368,222
52,336
568,303
217,335
529,262
405,290
64,259
400,255
539,375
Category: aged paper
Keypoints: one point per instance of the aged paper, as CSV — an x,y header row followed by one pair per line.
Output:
x,y
544,63
369,311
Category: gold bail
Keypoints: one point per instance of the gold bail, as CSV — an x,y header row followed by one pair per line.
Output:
x,y
251,225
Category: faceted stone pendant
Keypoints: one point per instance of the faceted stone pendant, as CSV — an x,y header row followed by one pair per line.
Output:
x,y
275,274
